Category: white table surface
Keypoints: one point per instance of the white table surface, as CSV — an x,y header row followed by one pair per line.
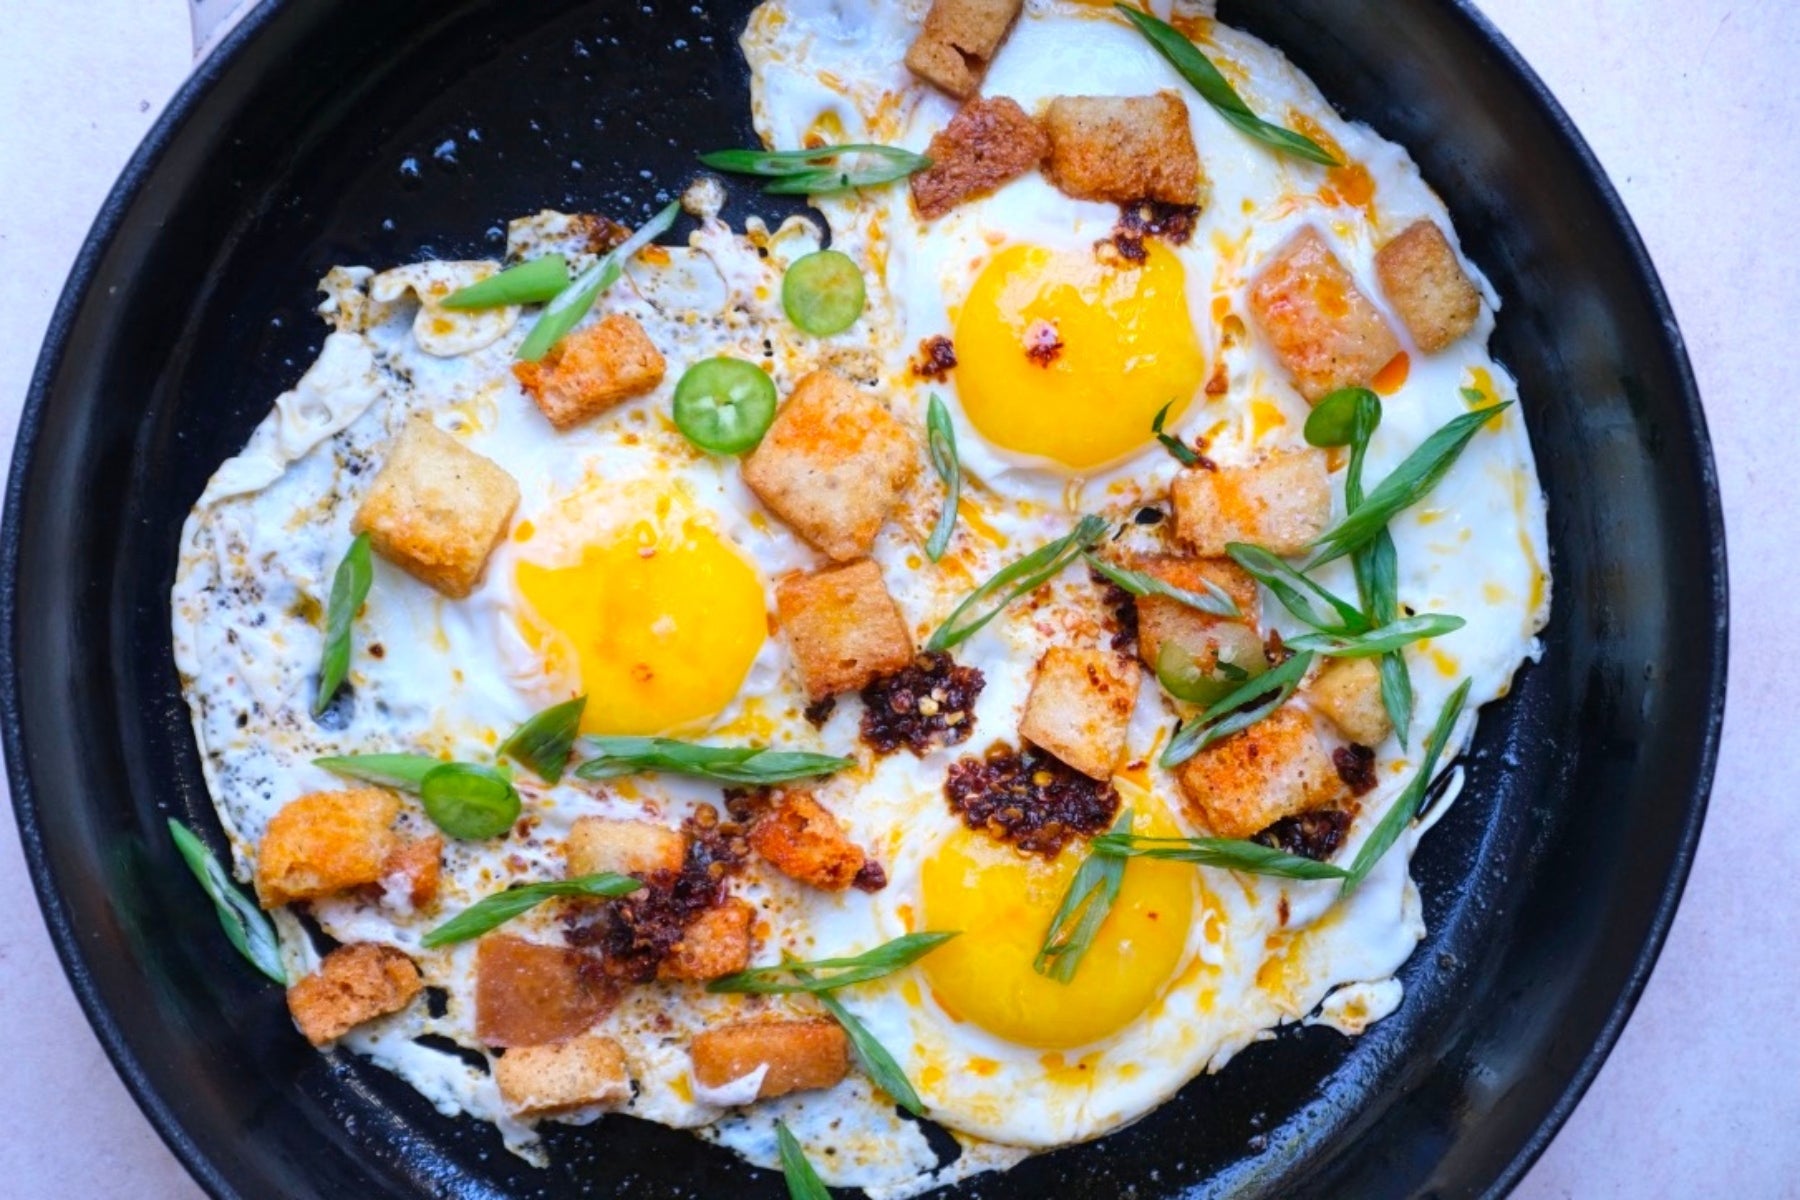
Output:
x,y
1692,107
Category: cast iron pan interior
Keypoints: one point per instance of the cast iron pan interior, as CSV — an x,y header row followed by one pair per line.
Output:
x,y
343,131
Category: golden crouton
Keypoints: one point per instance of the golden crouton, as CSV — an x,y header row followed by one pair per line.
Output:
x,y
412,871
985,144
1348,691
799,1054
353,984
800,838
530,994
1161,619
1323,329
1122,149
1078,708
1422,278
543,1081
1246,782
843,628
715,943
325,842
959,40
437,509
832,465
597,844
591,370
1281,503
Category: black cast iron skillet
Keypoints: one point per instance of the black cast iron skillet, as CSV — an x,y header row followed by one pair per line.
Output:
x,y
331,131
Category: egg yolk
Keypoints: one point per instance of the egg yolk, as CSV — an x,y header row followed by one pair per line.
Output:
x,y
1063,357
663,622
1003,903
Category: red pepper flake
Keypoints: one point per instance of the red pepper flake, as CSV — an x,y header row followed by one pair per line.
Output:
x,y
1029,799
1355,765
1314,835
924,705
937,357
1173,223
819,711
1042,343
871,878
1123,608
635,933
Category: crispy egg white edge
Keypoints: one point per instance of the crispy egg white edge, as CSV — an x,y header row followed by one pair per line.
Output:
x,y
343,386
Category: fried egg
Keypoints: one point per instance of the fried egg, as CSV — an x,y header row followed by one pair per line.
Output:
x,y
640,572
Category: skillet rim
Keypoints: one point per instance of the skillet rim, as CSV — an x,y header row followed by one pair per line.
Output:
x,y
138,173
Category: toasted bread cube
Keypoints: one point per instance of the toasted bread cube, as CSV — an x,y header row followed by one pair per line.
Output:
x,y
591,370
1122,149
597,844
325,842
1161,619
545,1081
530,994
843,627
1323,329
1348,691
802,839
1245,783
959,40
795,1055
1281,503
353,984
411,873
1427,286
437,509
832,465
715,943
986,143
1079,705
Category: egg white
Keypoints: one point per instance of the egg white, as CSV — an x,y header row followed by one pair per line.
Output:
x,y
454,677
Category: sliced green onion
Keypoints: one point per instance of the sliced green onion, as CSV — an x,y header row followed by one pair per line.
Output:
x,y
1267,693
753,766
349,588
803,1183
543,743
531,282
1385,640
817,172
493,911
403,771
1215,599
823,292
1350,417
1083,910
940,444
246,926
572,303
1406,805
724,405
1293,588
1231,854
1184,454
469,801
874,1057
1408,485
1217,91
786,978
1009,583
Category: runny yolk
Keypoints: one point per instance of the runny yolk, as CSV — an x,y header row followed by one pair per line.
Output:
x,y
662,622
1003,902
1061,356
